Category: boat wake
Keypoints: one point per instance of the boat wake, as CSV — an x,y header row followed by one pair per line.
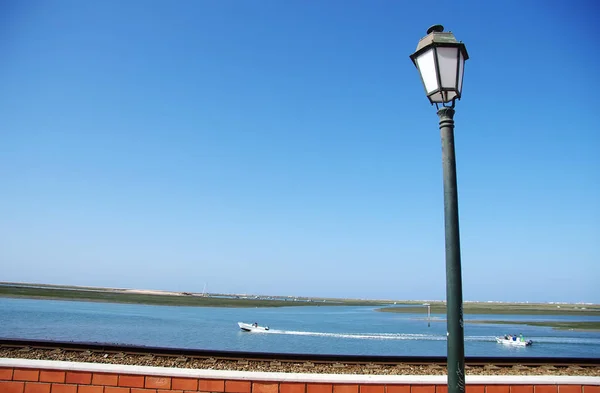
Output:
x,y
429,337
376,336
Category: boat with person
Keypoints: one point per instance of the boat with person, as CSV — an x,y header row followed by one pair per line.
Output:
x,y
517,341
252,327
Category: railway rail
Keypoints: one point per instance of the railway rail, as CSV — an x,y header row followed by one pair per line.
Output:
x,y
286,362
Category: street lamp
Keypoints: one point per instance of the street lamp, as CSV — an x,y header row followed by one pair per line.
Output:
x,y
440,59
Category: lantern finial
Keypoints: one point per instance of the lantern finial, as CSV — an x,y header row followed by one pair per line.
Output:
x,y
435,29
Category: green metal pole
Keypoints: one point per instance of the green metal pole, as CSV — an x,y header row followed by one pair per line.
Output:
x,y
454,300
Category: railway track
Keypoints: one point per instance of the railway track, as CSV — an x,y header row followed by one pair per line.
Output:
x,y
285,362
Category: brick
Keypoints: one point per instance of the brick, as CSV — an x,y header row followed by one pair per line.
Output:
x,y
170,391
6,374
290,387
52,376
423,389
12,387
238,386
591,389
211,385
398,389
158,382
25,374
113,389
62,388
545,389
78,377
137,390
36,387
521,389
475,389
131,381
90,389
372,389
265,387
345,388
443,389
497,389
184,383
570,388
105,379
319,388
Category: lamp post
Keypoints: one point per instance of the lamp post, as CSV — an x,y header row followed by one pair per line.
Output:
x,y
440,59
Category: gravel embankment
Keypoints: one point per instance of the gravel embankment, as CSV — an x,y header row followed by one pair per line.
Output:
x,y
276,366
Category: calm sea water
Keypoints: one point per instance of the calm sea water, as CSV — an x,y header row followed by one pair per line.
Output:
x,y
310,329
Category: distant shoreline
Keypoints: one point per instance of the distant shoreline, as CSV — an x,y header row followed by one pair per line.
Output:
x,y
502,309
186,299
164,298
578,326
582,326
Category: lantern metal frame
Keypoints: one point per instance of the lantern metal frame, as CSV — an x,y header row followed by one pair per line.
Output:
x,y
437,38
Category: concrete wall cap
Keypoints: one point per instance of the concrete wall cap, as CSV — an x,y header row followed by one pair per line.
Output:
x,y
295,377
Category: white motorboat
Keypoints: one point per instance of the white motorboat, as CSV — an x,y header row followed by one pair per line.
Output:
x,y
252,327
514,341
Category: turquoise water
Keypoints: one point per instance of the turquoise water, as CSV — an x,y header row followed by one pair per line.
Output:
x,y
310,329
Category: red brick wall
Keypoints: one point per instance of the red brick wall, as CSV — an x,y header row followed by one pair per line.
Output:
x,y
27,380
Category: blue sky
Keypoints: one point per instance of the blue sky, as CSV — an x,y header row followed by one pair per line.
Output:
x,y
287,147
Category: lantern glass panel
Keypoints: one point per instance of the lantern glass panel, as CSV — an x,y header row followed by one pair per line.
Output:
x,y
461,70
448,62
426,64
